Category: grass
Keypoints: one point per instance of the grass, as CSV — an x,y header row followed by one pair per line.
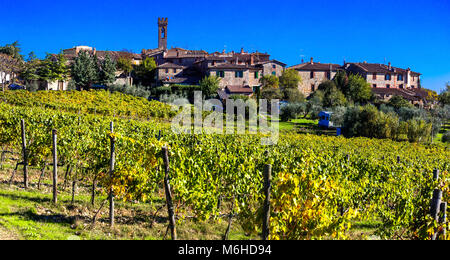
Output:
x,y
31,215
364,230
445,128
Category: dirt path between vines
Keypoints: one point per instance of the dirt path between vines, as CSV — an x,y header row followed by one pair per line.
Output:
x,y
6,234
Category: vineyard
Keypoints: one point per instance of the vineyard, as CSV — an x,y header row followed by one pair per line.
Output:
x,y
93,102
321,185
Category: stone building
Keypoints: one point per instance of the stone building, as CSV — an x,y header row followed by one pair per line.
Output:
x,y
313,74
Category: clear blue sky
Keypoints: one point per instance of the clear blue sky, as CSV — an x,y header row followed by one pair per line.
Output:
x,y
413,33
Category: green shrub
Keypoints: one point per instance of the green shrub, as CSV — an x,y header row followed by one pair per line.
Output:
x,y
446,137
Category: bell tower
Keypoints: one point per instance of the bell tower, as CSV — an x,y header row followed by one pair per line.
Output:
x,y
162,33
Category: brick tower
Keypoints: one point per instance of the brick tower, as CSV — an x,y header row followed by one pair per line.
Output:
x,y
162,33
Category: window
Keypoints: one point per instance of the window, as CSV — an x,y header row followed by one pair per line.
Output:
x,y
274,73
239,74
312,74
388,86
313,88
374,85
401,86
328,75
167,70
174,70
387,77
220,74
274,66
400,77
374,76
256,74
412,86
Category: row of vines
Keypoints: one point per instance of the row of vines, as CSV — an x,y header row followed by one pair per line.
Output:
x,y
321,185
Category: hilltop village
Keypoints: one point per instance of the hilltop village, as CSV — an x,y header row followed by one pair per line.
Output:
x,y
240,73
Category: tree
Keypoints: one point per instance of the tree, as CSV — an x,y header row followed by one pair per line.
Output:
x,y
444,97
210,85
13,50
146,71
332,96
293,95
30,70
341,81
270,82
290,79
107,72
125,64
84,70
315,103
8,67
271,93
398,102
358,90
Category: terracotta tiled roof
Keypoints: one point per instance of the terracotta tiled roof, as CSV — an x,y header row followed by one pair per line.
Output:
x,y
151,52
274,61
410,94
115,55
316,67
238,90
169,65
192,80
381,68
183,53
232,66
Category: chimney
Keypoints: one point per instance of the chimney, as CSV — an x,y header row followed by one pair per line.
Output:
x,y
242,50
252,59
95,51
312,60
303,61
390,67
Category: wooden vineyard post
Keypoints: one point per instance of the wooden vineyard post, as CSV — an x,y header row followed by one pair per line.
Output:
x,y
55,167
435,208
267,188
25,156
173,230
443,218
436,174
435,203
111,173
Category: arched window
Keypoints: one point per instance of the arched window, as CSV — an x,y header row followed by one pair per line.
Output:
x,y
163,33
388,77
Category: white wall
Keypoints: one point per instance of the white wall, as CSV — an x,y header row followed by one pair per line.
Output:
x,y
2,74
54,85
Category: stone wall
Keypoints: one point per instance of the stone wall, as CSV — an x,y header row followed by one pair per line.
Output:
x,y
230,78
268,69
309,85
168,73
